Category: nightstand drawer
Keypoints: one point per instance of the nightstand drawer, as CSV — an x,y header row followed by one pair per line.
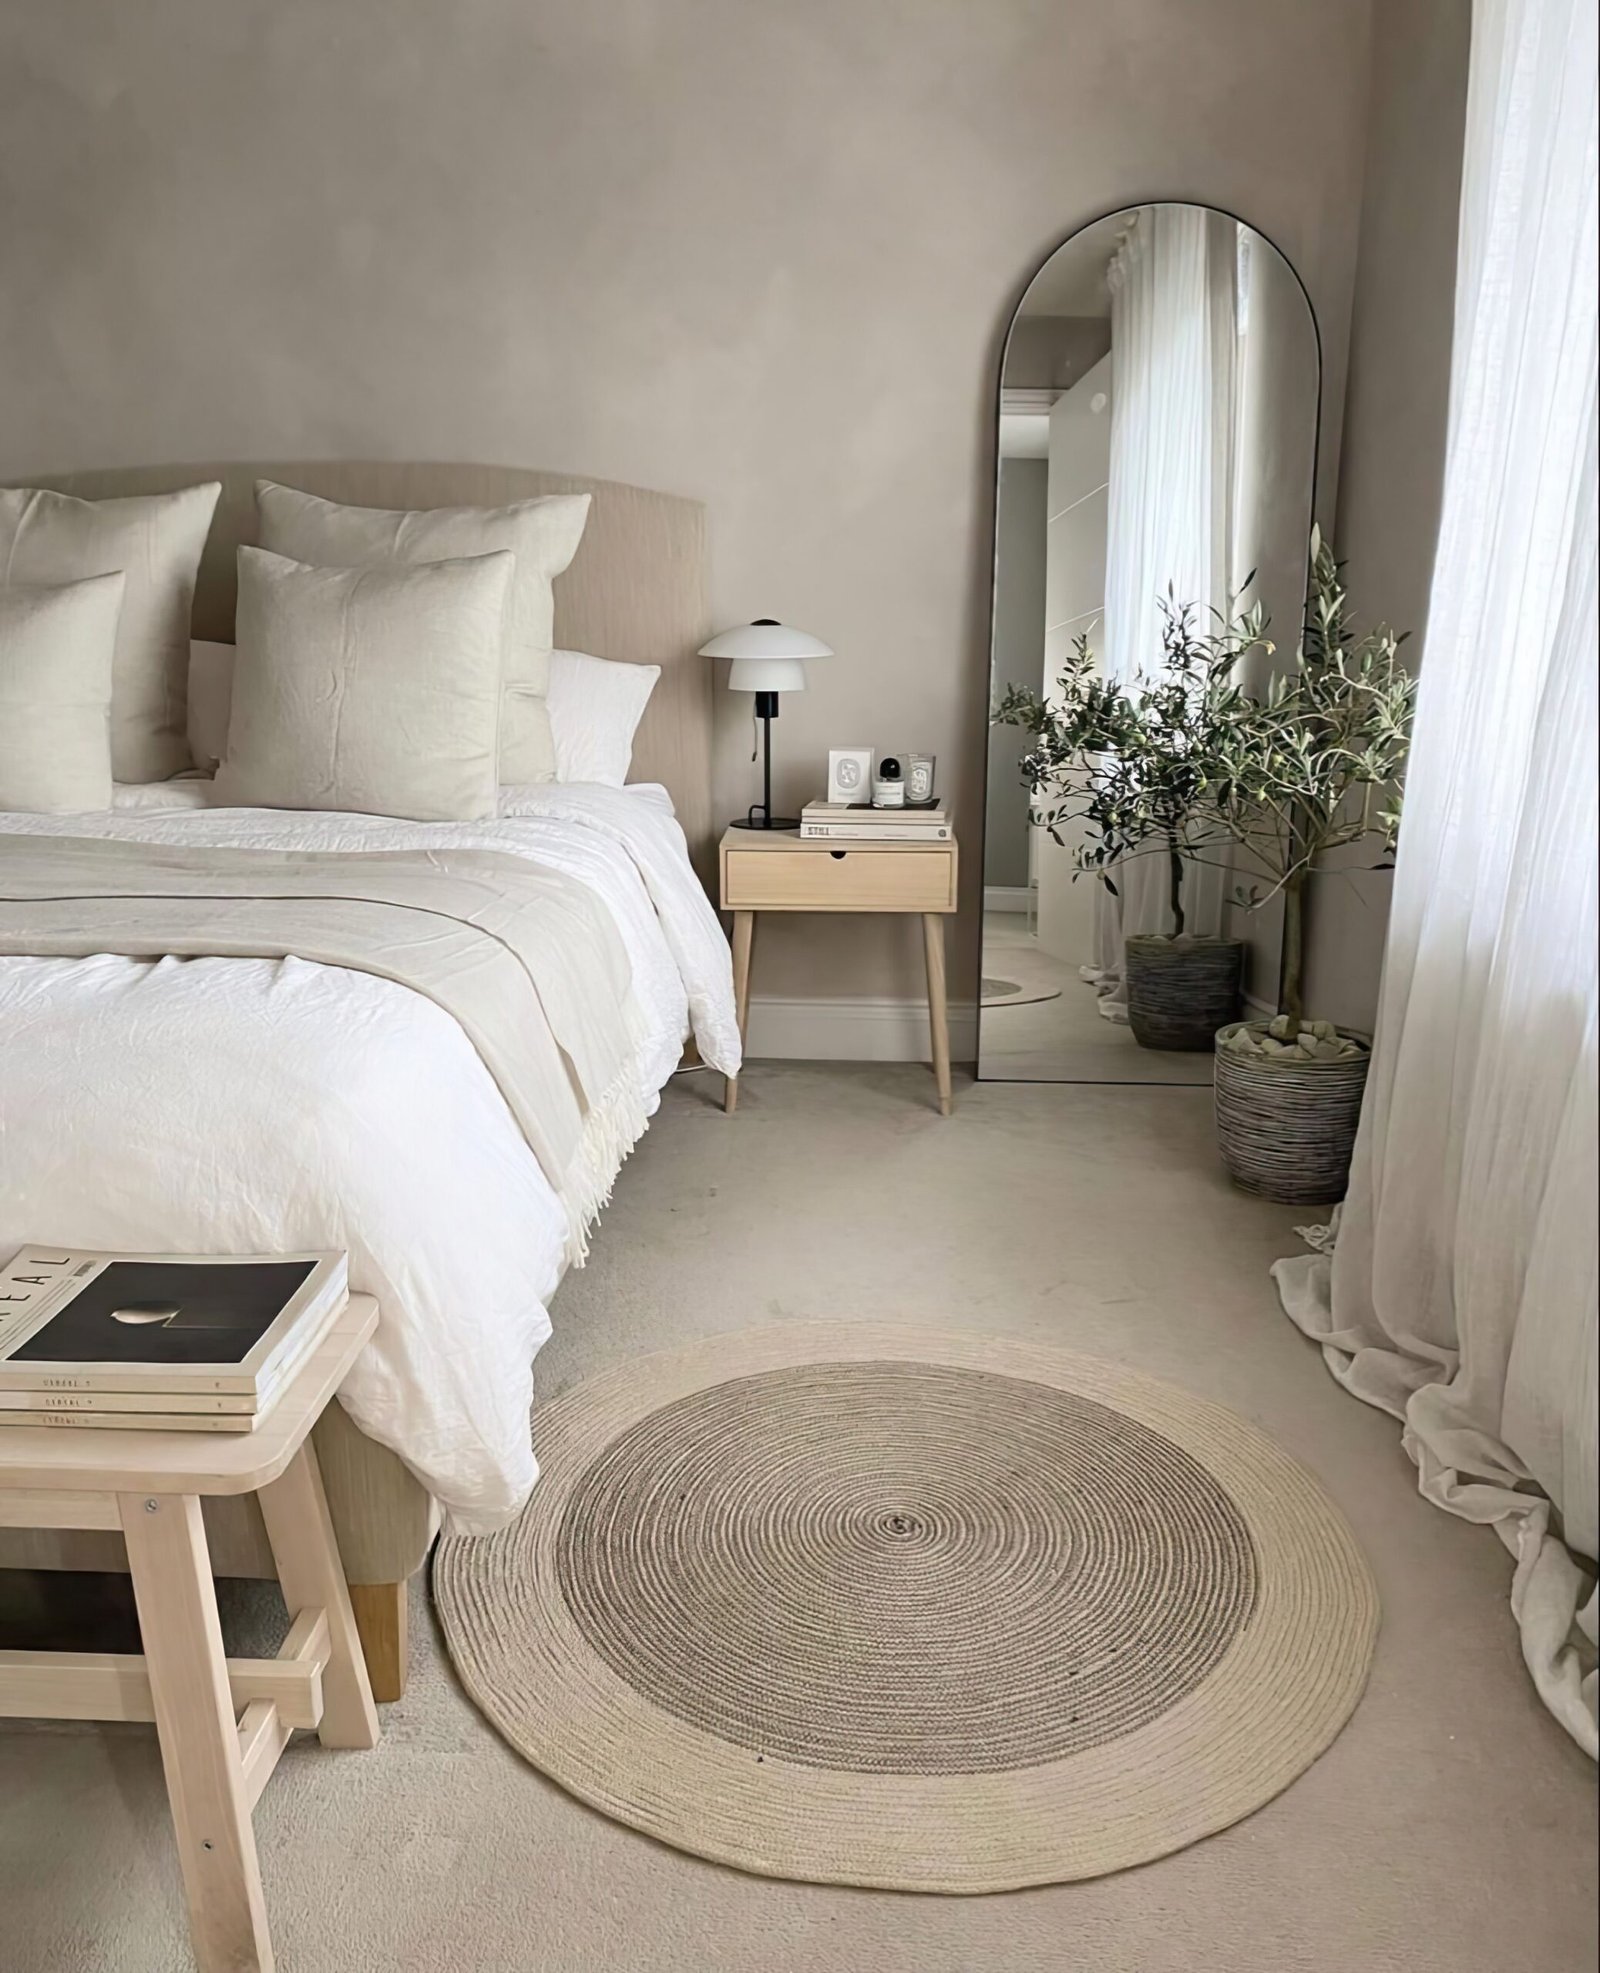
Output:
x,y
823,879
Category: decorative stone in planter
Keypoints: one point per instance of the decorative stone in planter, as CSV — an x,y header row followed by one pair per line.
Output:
x,y
1288,1106
1180,991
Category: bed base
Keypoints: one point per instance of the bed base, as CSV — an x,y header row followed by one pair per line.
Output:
x,y
381,1624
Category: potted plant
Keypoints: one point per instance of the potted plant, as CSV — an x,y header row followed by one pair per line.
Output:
x,y
1312,766
1134,765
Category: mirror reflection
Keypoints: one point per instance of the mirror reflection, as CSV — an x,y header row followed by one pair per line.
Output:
x,y
1157,448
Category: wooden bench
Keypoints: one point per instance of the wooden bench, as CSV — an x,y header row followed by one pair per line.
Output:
x,y
222,1721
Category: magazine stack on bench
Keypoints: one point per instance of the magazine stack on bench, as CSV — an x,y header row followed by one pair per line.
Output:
x,y
158,1342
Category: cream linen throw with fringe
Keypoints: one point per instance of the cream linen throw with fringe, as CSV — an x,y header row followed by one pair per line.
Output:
x,y
1461,1293
525,958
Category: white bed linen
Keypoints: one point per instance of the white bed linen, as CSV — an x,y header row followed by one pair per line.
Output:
x,y
253,1105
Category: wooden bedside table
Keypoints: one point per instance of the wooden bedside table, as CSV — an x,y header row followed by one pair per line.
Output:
x,y
776,870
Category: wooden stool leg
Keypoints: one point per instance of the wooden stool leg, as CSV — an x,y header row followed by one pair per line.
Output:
x,y
744,934
938,1016
177,1602
295,1510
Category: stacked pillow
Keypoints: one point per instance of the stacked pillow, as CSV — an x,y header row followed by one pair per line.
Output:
x,y
542,534
52,541
374,690
393,662
57,650
595,707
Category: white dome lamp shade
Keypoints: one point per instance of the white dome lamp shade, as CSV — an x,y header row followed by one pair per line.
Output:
x,y
767,658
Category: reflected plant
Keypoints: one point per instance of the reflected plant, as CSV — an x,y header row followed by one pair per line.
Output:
x,y
1135,763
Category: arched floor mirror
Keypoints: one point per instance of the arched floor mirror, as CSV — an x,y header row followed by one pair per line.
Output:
x,y
1159,401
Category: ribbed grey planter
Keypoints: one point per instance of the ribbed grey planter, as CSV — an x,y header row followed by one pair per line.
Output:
x,y
1180,991
1287,1127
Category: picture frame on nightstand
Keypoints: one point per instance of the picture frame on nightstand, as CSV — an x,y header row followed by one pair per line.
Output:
x,y
850,775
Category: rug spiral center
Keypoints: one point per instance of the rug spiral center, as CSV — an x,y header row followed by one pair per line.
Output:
x,y
904,1568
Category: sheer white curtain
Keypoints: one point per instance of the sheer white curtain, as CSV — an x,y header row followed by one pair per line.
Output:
x,y
1174,353
1461,1294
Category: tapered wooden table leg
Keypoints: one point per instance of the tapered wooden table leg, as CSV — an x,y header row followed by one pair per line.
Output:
x,y
177,1603
303,1546
744,934
938,1014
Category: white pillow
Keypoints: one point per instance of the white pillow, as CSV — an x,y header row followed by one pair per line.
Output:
x,y
543,534
374,690
595,708
57,650
156,540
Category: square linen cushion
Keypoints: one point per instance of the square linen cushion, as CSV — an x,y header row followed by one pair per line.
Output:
x,y
57,646
595,708
374,690
156,540
543,534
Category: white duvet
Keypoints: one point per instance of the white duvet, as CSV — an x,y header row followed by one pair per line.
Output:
x,y
254,1105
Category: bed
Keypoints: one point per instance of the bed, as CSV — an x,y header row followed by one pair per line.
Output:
x,y
276,1103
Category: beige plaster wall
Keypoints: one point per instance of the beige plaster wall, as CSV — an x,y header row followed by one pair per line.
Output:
x,y
758,251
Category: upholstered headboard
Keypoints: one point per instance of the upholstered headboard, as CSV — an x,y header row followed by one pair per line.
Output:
x,y
636,590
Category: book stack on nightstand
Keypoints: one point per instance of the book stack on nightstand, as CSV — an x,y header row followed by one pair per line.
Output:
x,y
124,1342
845,822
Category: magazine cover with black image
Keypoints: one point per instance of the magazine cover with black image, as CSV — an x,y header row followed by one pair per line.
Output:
x,y
168,1312
81,1328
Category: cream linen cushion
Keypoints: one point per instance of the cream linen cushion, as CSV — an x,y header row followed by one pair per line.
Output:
x,y
595,708
376,690
543,535
57,645
156,540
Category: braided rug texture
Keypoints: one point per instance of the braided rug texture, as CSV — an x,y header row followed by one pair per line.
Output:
x,y
878,1605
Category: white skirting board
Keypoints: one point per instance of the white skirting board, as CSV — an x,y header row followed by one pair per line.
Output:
x,y
853,1030
1007,897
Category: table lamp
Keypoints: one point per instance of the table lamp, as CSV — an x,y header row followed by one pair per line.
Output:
x,y
768,658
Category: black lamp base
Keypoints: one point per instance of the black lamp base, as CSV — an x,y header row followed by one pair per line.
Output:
x,y
759,814
759,819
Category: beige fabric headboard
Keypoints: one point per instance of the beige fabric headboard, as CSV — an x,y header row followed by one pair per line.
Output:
x,y
636,590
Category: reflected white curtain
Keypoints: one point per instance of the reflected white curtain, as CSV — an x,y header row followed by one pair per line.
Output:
x,y
1174,359
1461,1294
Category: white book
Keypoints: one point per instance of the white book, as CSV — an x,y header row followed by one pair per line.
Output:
x,y
872,818
87,1324
168,1411
33,1402
135,1421
910,828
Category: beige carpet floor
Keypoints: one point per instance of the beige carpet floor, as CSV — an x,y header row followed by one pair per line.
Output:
x,y
1066,1039
1450,1829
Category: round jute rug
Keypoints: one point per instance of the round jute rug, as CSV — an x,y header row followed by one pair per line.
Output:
x,y
876,1605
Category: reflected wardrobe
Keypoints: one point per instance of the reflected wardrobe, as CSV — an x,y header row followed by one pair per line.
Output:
x,y
1157,451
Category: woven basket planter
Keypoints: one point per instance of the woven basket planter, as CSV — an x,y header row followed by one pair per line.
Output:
x,y
1286,1127
1180,991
